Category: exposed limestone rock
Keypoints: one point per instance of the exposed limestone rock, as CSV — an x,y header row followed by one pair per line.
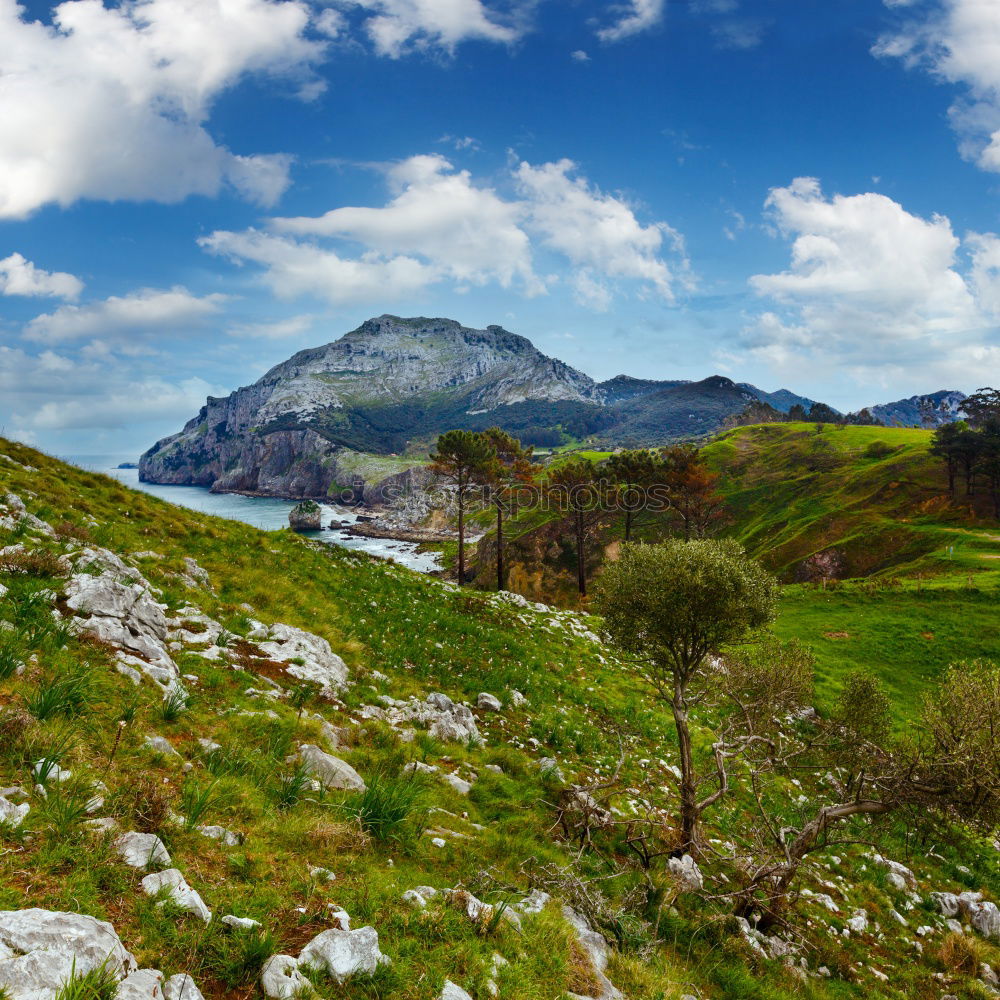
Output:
x,y
181,987
320,665
596,947
142,850
306,516
342,953
488,702
478,911
143,984
419,896
686,873
240,923
220,833
280,978
330,771
179,892
445,720
12,815
452,992
900,877
161,745
39,949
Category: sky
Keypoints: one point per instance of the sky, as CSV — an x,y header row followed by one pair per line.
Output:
x,y
794,193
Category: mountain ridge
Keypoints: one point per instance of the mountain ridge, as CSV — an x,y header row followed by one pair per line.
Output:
x,y
391,385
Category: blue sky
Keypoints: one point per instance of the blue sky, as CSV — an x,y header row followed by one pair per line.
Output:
x,y
793,192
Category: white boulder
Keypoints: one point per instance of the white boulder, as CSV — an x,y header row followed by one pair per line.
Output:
x,y
330,771
320,665
39,949
280,978
181,987
142,850
179,892
342,953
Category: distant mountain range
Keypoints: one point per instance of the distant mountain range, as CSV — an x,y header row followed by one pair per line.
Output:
x,y
393,384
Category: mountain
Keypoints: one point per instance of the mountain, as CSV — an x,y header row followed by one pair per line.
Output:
x,y
782,400
684,409
332,419
931,410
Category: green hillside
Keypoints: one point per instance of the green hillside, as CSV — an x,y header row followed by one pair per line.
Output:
x,y
484,820
872,499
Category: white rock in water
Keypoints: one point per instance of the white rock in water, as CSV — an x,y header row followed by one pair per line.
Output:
x,y
322,666
40,949
342,953
180,893
280,978
330,771
181,987
142,850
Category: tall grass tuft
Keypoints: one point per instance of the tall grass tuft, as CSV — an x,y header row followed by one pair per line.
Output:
x,y
386,804
59,696
290,787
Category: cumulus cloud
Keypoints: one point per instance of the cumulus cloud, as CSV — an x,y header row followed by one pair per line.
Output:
x,y
634,17
958,41
292,268
596,230
468,233
112,102
19,276
280,329
439,225
875,289
143,311
398,26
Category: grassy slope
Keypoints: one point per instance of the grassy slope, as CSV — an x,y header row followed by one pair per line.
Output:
x,y
423,637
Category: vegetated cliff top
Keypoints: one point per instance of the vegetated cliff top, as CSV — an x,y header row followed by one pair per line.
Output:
x,y
478,813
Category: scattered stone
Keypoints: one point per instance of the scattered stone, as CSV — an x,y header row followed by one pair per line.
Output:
x,y
330,771
40,949
241,923
859,922
686,873
143,984
323,874
534,902
517,699
320,665
181,987
549,768
342,953
445,720
180,893
489,703
596,947
452,992
161,745
281,980
460,785
142,850
900,877
12,815
478,911
220,833
419,896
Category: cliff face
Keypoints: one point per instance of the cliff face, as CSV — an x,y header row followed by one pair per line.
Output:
x,y
392,379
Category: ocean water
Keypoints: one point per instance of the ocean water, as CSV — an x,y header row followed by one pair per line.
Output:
x,y
266,513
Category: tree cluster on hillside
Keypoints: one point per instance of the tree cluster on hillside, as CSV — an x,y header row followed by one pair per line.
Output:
x,y
691,620
971,448
671,487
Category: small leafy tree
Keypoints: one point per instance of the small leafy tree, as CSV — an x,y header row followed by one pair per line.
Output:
x,y
672,607
462,458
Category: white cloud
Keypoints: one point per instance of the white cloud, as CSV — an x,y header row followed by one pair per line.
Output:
x,y
51,392
467,233
579,56
19,276
597,230
119,317
440,225
957,41
111,102
635,17
397,26
876,290
292,269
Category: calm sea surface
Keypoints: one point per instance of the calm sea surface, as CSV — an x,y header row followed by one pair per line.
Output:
x,y
262,512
